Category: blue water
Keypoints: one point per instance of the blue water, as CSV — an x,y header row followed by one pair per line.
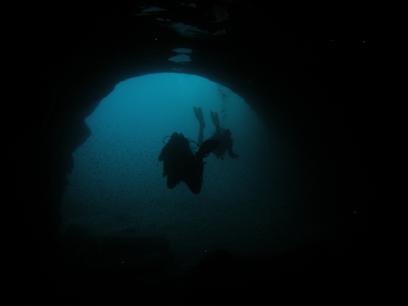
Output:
x,y
116,188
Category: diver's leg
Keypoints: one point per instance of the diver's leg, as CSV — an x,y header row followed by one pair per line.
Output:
x,y
194,179
199,115
200,135
172,181
216,121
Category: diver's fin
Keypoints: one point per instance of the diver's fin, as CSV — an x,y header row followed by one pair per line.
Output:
x,y
199,115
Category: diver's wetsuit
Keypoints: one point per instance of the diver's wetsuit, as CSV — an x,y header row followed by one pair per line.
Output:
x,y
220,142
180,164
225,144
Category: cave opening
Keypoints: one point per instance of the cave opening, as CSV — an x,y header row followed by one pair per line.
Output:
x,y
116,191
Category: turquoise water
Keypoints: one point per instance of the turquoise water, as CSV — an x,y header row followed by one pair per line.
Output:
x,y
116,188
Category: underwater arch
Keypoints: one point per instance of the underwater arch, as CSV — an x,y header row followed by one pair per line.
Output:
x,y
116,187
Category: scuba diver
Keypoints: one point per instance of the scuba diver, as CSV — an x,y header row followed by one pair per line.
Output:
x,y
181,164
221,139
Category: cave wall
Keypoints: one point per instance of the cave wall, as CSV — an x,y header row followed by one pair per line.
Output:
x,y
74,59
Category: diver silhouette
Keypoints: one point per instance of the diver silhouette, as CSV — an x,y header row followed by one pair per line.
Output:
x,y
181,164
221,141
